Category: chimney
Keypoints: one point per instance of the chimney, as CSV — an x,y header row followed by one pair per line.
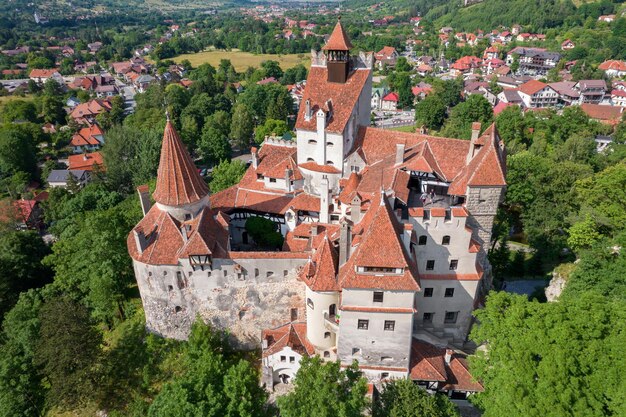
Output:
x,y
307,110
144,198
324,200
255,158
399,153
288,174
314,227
472,148
140,239
448,356
355,209
423,130
345,241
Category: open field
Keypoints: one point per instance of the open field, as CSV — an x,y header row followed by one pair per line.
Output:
x,y
4,99
242,60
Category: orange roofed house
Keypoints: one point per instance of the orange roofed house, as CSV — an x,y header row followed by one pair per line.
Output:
x,y
385,237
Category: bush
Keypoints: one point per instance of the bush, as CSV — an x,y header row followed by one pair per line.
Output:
x,y
264,233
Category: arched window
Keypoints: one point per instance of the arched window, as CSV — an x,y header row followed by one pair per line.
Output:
x,y
330,144
310,160
329,163
327,335
445,240
422,240
312,142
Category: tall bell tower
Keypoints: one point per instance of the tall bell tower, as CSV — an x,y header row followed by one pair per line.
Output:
x,y
337,51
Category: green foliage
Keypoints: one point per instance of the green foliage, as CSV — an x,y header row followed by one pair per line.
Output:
x,y
324,389
241,127
430,112
15,110
271,127
213,145
226,174
67,349
21,392
131,156
20,265
91,259
550,359
583,234
214,383
404,398
17,151
475,108
264,232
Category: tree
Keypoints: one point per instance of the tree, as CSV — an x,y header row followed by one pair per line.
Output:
x,y
213,146
550,359
324,389
226,174
404,398
513,129
402,65
263,232
272,69
67,349
242,126
91,260
20,265
430,112
19,110
405,93
52,109
21,391
475,109
17,151
583,234
271,127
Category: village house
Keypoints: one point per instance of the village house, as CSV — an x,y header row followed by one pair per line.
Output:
x,y
40,76
60,178
533,61
85,161
390,102
591,91
535,94
87,139
613,68
386,57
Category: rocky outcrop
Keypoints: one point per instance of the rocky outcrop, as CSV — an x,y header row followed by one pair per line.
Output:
x,y
560,276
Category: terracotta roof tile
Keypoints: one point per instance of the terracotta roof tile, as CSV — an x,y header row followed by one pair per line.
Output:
x,y
178,180
342,96
320,272
291,335
338,40
427,362
85,161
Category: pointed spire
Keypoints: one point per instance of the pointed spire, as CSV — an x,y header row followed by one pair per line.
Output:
x,y
338,40
178,180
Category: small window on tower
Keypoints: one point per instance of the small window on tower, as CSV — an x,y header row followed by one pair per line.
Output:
x,y
454,263
378,296
445,240
430,265
422,240
363,324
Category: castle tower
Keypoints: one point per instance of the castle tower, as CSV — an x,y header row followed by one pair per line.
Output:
x,y
337,51
180,190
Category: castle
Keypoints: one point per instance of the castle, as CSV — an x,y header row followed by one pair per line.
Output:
x,y
386,235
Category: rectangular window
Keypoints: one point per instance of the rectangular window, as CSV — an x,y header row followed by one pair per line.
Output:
x,y
422,240
427,318
363,324
378,296
390,325
283,359
428,292
292,359
451,317
272,179
356,351
430,265
449,292
453,264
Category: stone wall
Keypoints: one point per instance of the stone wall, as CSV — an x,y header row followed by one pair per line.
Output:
x,y
242,296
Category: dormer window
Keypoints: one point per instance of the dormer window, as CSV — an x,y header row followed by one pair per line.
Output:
x,y
312,142
200,261
379,270
259,177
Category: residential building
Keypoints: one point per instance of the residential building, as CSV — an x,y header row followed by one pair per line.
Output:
x,y
610,115
390,102
61,177
386,57
568,94
85,162
613,68
535,94
591,91
533,61
40,76
87,139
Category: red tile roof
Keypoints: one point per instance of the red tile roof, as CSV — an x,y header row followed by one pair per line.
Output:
x,y
85,161
312,166
86,136
178,180
338,40
342,96
613,64
610,114
380,246
532,87
43,73
320,272
392,97
291,335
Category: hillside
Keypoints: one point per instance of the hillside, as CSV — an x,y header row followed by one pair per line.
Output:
x,y
536,15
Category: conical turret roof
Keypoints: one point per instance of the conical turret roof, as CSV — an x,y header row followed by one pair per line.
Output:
x,y
178,180
338,40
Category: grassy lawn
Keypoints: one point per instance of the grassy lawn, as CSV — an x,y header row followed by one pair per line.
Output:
x,y
408,129
4,99
242,60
